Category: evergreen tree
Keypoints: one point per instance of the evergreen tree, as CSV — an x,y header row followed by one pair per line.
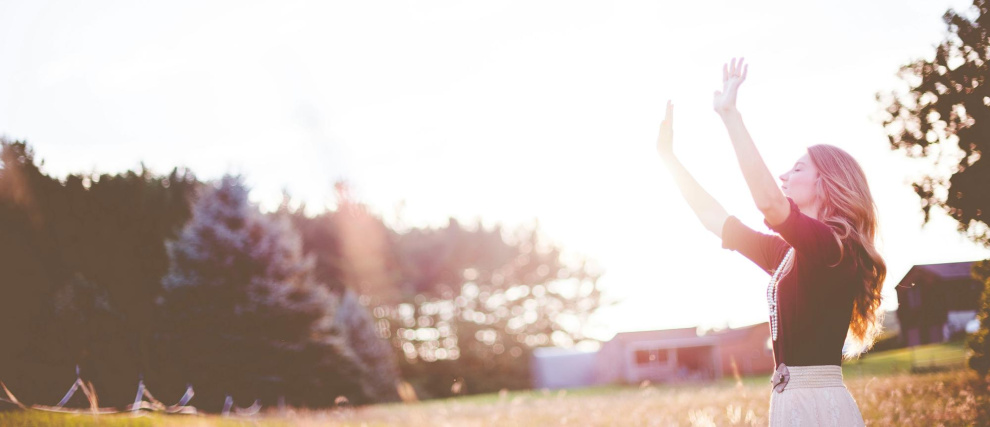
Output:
x,y
333,238
244,312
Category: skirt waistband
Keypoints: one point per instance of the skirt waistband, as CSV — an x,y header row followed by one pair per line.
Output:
x,y
816,376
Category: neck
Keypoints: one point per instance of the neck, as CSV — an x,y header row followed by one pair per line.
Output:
x,y
811,211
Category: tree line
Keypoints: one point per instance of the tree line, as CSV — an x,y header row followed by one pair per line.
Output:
x,y
178,281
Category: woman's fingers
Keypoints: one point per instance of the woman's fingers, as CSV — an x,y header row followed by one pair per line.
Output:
x,y
666,138
735,68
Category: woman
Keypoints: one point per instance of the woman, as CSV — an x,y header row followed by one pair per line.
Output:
x,y
826,274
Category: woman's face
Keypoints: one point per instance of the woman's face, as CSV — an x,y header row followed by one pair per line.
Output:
x,y
799,184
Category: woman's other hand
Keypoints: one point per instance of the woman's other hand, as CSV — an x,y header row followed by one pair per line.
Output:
x,y
665,142
733,74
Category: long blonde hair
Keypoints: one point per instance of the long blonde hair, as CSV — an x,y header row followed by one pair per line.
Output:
x,y
847,206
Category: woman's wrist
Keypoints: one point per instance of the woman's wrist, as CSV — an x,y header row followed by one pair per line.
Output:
x,y
731,119
729,113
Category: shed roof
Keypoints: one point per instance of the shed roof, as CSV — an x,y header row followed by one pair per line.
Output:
x,y
943,272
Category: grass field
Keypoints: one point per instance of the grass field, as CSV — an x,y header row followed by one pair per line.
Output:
x,y
882,384
926,358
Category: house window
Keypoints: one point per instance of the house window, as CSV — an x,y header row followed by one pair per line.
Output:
x,y
656,356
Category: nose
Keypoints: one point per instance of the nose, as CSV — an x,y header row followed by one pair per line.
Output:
x,y
783,177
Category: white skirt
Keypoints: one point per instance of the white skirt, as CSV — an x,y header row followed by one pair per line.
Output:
x,y
812,396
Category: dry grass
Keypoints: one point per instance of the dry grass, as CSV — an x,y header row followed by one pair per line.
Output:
x,y
948,398
957,398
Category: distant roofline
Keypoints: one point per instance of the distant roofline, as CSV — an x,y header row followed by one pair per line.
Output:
x,y
946,270
695,329
639,331
947,263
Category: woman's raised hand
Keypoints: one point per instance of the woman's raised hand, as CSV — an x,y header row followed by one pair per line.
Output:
x,y
733,74
665,142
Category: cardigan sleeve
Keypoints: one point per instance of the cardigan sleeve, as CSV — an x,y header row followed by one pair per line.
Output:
x,y
766,250
809,237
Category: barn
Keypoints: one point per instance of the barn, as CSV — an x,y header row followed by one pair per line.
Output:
x,y
937,301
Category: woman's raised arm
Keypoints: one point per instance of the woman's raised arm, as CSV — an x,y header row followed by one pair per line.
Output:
x,y
767,195
708,210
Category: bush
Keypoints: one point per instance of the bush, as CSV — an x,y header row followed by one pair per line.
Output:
x,y
979,342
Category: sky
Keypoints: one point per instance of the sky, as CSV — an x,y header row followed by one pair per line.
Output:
x,y
513,113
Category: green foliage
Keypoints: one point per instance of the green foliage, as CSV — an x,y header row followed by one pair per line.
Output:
x,y
81,260
374,357
324,236
945,106
244,315
477,301
461,307
262,305
979,342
